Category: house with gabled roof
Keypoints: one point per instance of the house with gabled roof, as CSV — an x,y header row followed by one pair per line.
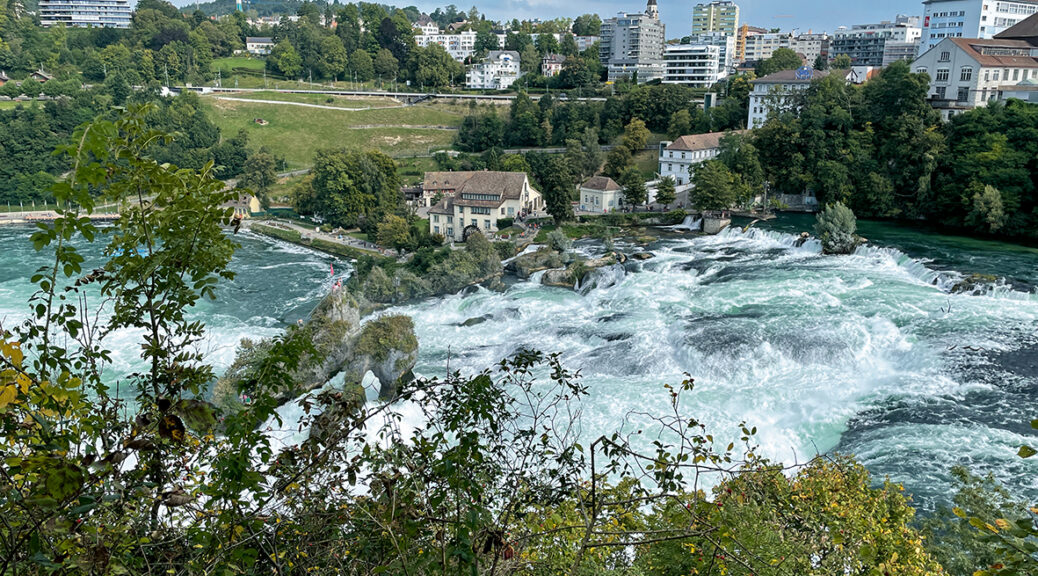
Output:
x,y
478,200
678,158
601,194
966,73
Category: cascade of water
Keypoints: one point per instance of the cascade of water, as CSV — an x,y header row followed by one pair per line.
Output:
x,y
690,223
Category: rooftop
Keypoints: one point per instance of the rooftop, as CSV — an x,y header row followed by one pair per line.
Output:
x,y
696,142
791,77
259,40
602,184
985,52
1024,29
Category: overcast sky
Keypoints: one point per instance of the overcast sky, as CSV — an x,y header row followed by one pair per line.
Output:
x,y
817,15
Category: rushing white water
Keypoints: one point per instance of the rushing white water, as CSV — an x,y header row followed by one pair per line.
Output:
x,y
810,349
868,353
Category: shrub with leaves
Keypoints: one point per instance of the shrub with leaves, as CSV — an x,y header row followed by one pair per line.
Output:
x,y
836,227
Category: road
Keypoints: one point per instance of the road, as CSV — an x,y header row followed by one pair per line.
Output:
x,y
377,93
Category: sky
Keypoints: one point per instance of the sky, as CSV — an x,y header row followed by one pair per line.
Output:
x,y
803,15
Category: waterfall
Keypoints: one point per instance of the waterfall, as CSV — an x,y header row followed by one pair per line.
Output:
x,y
690,224
602,278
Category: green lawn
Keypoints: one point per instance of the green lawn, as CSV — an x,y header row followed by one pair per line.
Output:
x,y
239,62
296,132
412,170
345,102
648,161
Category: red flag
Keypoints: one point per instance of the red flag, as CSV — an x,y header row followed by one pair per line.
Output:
x,y
332,266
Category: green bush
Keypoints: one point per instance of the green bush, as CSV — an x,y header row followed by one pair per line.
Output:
x,y
559,241
675,217
836,227
503,223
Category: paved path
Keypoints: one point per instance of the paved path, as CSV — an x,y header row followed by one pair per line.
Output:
x,y
305,105
348,241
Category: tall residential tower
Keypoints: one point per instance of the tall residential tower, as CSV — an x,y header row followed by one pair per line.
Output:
x,y
632,45
718,17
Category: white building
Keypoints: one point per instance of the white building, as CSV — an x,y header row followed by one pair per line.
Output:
x,y
460,46
966,73
725,48
601,195
970,18
679,158
717,17
258,46
762,46
811,46
585,42
878,44
426,26
85,13
632,45
479,199
552,65
780,92
498,71
693,65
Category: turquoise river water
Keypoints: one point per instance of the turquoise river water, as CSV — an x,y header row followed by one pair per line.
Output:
x,y
870,354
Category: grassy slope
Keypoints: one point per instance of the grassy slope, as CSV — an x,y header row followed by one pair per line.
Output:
x,y
348,103
239,62
297,132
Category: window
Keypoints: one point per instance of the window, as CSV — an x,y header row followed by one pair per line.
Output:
x,y
450,232
486,224
945,57
450,219
941,92
964,95
436,229
1016,75
987,75
943,74
436,217
967,74
995,76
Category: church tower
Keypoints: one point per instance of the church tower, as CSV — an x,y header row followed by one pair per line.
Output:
x,y
652,10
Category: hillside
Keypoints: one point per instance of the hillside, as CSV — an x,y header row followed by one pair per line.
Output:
x,y
297,125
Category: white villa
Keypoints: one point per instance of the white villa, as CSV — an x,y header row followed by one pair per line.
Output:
x,y
678,158
600,194
498,71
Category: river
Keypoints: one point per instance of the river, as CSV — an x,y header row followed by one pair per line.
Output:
x,y
869,354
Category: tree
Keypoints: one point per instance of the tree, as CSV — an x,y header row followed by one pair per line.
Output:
x,y
587,25
988,213
557,185
333,59
781,59
394,232
636,135
841,62
362,65
529,60
258,174
592,153
283,59
836,227
713,187
821,63
349,187
633,182
618,160
666,192
486,41
386,65
680,124
434,67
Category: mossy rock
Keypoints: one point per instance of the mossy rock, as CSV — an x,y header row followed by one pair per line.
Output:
x,y
972,282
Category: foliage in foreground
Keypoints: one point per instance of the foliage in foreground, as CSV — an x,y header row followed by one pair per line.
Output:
x,y
492,479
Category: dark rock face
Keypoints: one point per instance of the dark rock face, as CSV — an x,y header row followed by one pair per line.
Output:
x,y
526,265
642,256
